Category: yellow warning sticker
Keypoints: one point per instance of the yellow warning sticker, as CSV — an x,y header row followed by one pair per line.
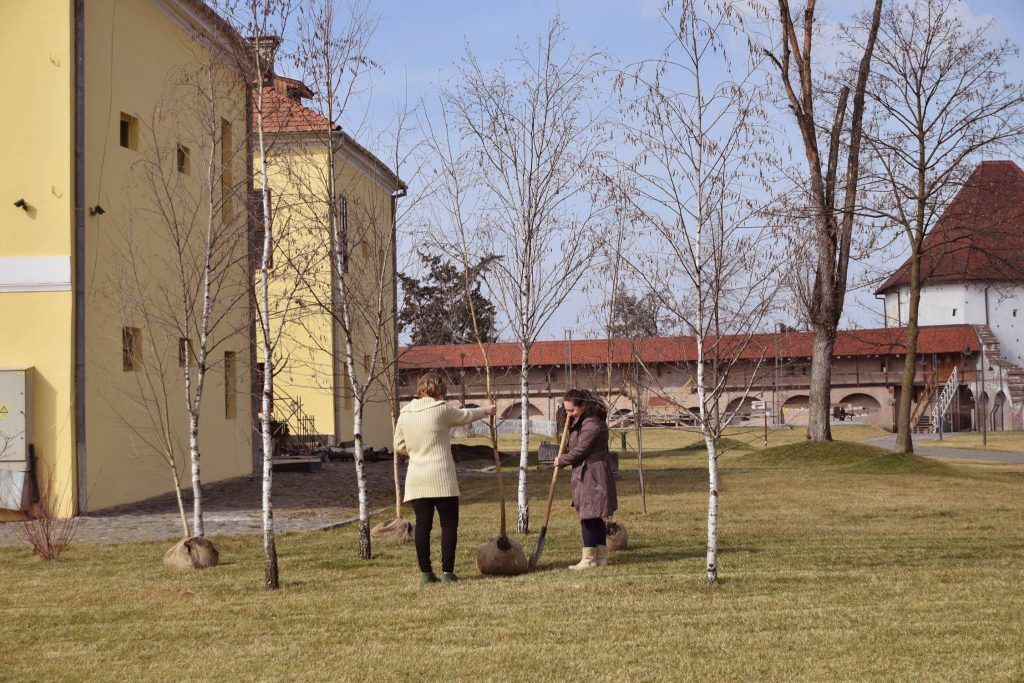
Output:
x,y
3,411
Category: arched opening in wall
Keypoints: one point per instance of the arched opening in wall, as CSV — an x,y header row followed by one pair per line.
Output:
x,y
998,412
795,410
739,409
860,407
982,409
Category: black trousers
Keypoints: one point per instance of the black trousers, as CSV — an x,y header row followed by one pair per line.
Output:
x,y
448,511
595,532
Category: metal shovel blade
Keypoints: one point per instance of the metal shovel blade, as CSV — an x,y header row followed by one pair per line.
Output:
x,y
539,549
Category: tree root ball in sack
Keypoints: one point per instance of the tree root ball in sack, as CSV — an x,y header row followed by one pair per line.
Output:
x,y
501,557
617,537
192,553
396,531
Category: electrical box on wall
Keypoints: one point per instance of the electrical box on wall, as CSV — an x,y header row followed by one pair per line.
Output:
x,y
15,438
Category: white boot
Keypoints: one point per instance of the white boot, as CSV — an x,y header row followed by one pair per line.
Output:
x,y
602,556
589,560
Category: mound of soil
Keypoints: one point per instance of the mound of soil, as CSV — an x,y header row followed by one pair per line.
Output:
x,y
395,531
493,560
192,553
617,537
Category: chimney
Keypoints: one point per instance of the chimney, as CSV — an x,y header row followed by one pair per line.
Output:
x,y
267,49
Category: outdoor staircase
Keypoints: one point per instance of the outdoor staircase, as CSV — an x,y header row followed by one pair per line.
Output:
x,y
945,399
924,423
1011,374
921,417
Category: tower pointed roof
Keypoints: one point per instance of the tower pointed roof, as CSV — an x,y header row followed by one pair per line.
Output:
x,y
980,235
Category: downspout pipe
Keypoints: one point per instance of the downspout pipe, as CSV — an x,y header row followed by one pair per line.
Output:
x,y
987,287
885,313
395,196
81,483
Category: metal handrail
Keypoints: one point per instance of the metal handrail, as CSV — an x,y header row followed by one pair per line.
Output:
x,y
945,399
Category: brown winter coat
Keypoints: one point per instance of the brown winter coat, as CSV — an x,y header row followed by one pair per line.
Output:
x,y
593,485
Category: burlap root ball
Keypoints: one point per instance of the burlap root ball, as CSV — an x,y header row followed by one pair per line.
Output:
x,y
492,560
192,553
396,531
617,537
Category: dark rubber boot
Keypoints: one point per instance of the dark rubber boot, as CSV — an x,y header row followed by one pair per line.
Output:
x,y
428,578
449,577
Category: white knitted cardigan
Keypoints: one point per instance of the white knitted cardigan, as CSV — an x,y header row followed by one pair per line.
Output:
x,y
423,433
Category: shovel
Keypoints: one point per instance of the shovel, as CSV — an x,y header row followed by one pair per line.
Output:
x,y
551,498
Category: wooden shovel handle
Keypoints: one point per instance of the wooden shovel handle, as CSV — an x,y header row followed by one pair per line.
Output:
x,y
554,475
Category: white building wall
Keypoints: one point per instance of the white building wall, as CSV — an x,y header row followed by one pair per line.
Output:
x,y
965,304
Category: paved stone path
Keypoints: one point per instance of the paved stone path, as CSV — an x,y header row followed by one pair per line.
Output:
x,y
303,501
939,452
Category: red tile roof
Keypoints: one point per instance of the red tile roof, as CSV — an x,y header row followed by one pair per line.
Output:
x,y
877,342
980,236
282,114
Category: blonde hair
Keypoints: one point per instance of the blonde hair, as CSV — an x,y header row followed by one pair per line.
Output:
x,y
432,385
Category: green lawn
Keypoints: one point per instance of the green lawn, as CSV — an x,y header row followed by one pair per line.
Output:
x,y
997,441
839,562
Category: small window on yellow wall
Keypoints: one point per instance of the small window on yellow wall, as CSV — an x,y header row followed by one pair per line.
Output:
x,y
230,385
129,131
184,160
131,348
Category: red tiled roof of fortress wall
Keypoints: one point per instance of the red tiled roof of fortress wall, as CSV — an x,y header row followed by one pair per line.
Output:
x,y
980,236
876,342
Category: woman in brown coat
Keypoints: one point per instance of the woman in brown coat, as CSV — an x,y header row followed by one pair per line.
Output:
x,y
593,485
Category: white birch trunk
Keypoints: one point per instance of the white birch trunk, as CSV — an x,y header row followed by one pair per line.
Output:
x,y
197,485
269,544
712,553
271,570
523,516
364,503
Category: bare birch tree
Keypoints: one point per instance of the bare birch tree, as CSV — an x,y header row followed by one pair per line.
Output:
x,y
942,99
457,212
356,226
831,135
692,118
263,22
192,176
532,139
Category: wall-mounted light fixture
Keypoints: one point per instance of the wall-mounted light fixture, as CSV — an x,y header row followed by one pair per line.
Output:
x,y
21,204
96,210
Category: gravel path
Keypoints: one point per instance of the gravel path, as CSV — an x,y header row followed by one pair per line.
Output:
x,y
303,501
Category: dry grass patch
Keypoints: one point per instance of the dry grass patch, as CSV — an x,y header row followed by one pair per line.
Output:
x,y
1012,442
834,567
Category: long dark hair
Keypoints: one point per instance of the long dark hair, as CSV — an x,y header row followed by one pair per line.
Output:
x,y
590,402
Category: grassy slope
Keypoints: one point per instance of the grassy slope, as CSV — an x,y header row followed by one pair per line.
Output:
x,y
838,562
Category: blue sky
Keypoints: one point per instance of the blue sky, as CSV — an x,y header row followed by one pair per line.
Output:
x,y
418,43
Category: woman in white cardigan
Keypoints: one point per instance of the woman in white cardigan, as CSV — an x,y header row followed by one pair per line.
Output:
x,y
423,432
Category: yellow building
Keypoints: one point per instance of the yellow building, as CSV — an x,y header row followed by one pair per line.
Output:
x,y
310,378
86,83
